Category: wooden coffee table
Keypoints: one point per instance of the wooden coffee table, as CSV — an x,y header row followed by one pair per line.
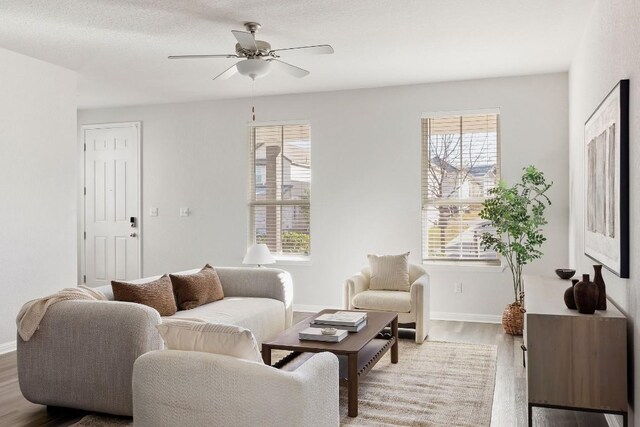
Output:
x,y
358,352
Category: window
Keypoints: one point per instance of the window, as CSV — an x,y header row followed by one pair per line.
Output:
x,y
460,163
261,177
280,193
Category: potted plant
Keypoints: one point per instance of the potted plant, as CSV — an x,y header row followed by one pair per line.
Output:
x,y
517,215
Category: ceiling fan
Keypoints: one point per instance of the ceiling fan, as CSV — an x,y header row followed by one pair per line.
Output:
x,y
258,55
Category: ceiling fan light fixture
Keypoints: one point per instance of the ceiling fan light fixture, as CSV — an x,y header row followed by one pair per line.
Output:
x,y
254,68
259,55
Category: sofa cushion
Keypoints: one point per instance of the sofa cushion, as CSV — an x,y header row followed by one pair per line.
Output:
x,y
193,290
262,316
396,301
194,335
157,294
389,272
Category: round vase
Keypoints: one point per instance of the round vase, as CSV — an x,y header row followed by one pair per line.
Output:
x,y
513,319
602,291
585,293
569,299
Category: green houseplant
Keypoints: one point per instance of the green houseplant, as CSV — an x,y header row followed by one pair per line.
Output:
x,y
517,215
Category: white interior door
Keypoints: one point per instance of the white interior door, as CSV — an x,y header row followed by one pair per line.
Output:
x,y
112,203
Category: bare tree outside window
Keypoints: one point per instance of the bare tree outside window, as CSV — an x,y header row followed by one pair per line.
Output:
x,y
459,166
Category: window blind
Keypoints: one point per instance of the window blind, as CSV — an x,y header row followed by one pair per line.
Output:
x,y
280,188
460,164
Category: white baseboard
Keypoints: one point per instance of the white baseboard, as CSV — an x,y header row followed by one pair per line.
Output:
x,y
466,317
7,347
613,420
436,315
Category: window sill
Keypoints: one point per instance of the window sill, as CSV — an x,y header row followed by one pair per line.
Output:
x,y
462,266
292,260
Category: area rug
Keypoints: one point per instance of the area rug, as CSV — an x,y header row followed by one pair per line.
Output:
x,y
433,384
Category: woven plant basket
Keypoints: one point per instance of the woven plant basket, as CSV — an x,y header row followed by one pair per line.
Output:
x,y
513,318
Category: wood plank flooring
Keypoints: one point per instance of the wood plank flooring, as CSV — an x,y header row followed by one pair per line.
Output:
x,y
509,404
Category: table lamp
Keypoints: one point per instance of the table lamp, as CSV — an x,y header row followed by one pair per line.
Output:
x,y
259,254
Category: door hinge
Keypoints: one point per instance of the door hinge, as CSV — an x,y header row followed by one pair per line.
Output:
x,y
85,146
84,279
85,235
85,191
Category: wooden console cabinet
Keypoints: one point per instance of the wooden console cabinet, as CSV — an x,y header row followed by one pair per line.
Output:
x,y
574,361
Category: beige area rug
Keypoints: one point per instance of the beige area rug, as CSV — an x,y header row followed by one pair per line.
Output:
x,y
434,384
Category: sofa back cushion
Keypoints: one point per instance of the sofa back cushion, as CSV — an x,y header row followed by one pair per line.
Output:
x,y
197,335
193,290
157,294
389,272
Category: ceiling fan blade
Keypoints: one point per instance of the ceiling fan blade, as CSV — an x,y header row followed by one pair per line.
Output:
x,y
288,68
227,73
245,40
307,50
202,56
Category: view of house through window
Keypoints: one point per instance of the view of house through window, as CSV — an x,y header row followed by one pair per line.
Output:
x,y
280,191
460,163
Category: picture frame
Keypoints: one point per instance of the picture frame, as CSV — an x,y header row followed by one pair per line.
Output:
x,y
606,189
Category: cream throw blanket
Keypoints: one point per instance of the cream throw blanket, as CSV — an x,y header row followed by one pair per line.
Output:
x,y
32,312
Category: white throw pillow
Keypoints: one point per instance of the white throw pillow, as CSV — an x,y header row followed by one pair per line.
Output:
x,y
389,272
197,335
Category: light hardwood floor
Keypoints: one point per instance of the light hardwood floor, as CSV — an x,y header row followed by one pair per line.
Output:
x,y
509,404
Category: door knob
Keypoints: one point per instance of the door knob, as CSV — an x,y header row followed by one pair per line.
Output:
x,y
133,234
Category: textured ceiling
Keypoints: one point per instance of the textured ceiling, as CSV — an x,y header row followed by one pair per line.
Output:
x,y
119,47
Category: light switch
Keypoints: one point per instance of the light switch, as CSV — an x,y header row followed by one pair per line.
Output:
x,y
184,212
153,211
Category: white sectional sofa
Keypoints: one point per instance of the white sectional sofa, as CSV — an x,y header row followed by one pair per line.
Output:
x,y
83,354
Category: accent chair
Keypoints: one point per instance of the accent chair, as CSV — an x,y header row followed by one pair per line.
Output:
x,y
412,306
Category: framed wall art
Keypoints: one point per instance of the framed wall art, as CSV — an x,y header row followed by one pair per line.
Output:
x,y
606,216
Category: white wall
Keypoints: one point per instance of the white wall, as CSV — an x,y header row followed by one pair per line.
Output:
x,y
608,53
366,178
37,183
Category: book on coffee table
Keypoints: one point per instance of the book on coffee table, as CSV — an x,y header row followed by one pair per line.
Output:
x,y
357,328
341,318
315,334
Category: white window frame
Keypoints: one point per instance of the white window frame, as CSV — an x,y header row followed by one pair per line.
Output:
x,y
443,264
283,259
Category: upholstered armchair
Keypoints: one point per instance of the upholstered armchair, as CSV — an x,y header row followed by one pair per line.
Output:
x,y
190,388
412,306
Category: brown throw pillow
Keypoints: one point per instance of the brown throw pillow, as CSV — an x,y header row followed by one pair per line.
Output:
x,y
157,294
193,290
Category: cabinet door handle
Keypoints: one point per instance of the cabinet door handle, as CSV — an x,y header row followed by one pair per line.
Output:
x,y
524,361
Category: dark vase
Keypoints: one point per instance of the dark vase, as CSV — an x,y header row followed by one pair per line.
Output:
x,y
602,290
585,293
569,300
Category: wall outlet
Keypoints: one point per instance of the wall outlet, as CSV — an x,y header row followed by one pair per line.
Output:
x,y
153,211
185,212
457,287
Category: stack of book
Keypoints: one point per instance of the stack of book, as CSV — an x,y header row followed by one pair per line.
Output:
x,y
342,321
315,334
351,321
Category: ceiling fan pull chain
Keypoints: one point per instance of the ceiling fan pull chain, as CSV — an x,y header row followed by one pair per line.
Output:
x,y
253,106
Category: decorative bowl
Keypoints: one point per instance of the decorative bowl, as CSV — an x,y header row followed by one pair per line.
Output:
x,y
328,331
565,273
